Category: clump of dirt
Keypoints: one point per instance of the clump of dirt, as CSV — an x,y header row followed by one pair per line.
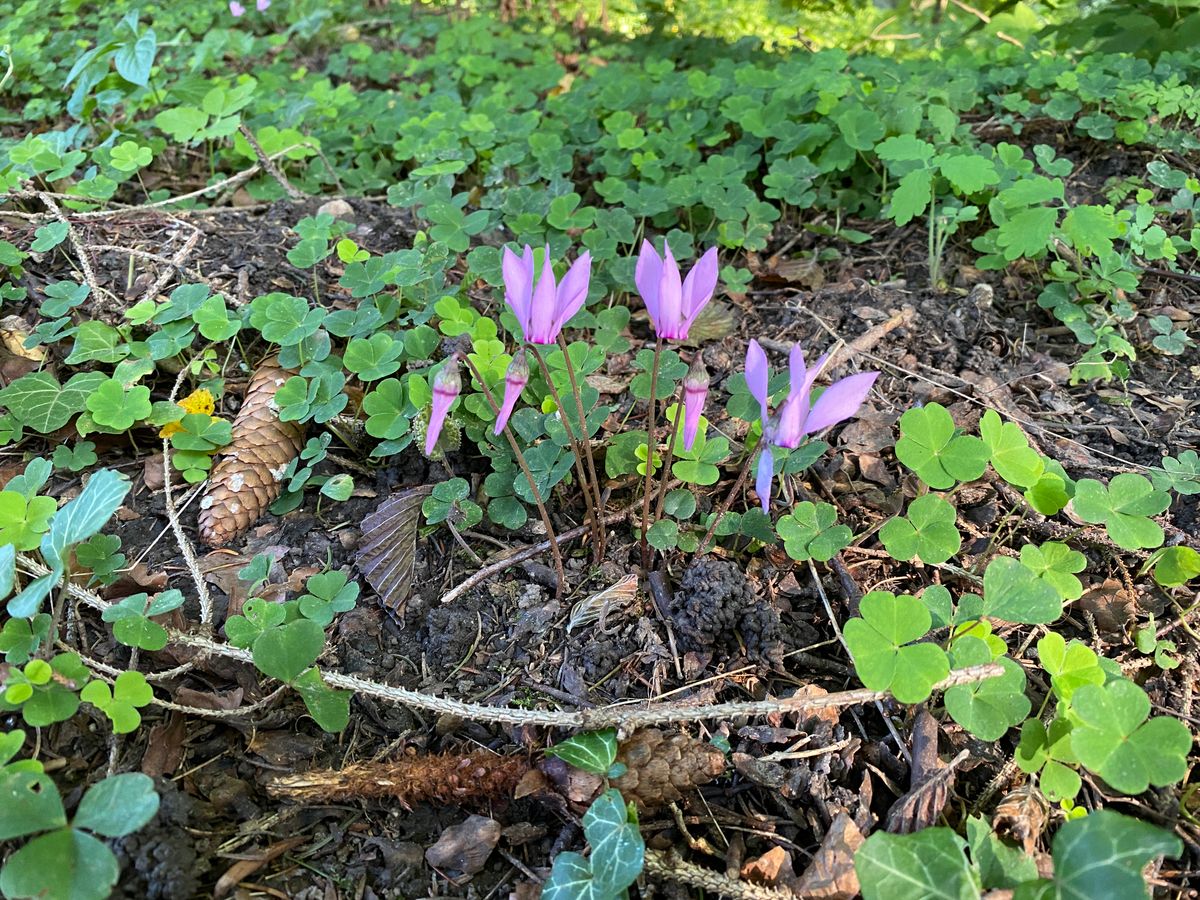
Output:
x,y
449,634
716,604
162,860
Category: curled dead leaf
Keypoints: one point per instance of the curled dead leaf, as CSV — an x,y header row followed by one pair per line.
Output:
x,y
387,551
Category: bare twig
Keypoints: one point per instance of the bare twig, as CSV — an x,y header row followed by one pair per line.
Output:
x,y
624,716
268,163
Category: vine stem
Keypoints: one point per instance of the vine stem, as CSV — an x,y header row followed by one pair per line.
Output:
x,y
593,514
625,716
585,438
537,495
650,423
728,501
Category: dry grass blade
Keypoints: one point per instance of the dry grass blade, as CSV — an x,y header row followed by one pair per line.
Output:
x,y
599,605
388,549
249,476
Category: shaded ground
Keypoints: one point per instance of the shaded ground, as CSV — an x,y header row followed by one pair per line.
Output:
x,y
737,636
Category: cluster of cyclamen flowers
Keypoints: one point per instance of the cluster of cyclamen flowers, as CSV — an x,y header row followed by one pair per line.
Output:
x,y
673,304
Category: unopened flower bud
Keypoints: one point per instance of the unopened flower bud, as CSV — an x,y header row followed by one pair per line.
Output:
x,y
695,391
446,386
515,379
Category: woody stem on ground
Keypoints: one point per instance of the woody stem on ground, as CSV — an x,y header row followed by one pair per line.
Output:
x,y
727,502
585,438
662,482
650,417
533,488
593,516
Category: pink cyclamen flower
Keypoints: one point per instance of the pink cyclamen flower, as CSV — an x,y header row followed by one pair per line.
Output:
x,y
446,386
542,311
236,9
262,5
516,376
674,305
796,417
695,390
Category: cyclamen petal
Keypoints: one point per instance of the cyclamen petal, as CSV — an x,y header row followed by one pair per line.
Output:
x,y
647,276
698,287
543,306
236,9
669,324
758,374
763,476
518,284
573,291
263,5
446,386
840,401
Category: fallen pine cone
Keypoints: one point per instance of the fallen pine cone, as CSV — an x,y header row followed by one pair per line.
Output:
x,y
249,475
660,766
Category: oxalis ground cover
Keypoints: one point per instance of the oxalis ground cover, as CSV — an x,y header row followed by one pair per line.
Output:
x,y
456,456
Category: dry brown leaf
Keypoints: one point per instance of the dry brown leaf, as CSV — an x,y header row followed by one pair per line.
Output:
x,y
249,475
603,604
164,748
773,868
1022,814
244,868
14,331
1111,607
922,805
465,848
388,548
831,875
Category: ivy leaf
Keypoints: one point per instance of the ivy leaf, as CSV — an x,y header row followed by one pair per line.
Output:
x,y
927,532
930,446
884,655
1123,508
1101,855
570,879
1056,564
931,863
618,851
1000,865
39,402
85,515
592,751
1115,740
811,531
987,708
1008,448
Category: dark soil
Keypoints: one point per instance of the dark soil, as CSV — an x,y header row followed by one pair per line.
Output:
x,y
741,626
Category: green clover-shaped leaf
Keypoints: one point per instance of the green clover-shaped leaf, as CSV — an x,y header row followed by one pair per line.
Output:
x,y
1180,474
375,357
885,657
927,532
930,445
811,531
1114,739
120,702
986,708
1177,566
1014,593
116,407
23,522
1123,508
1009,451
1070,666
1056,564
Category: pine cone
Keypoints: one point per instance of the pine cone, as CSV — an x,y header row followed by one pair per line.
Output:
x,y
660,767
248,477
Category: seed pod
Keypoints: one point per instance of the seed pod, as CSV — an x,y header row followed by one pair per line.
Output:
x,y
249,475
